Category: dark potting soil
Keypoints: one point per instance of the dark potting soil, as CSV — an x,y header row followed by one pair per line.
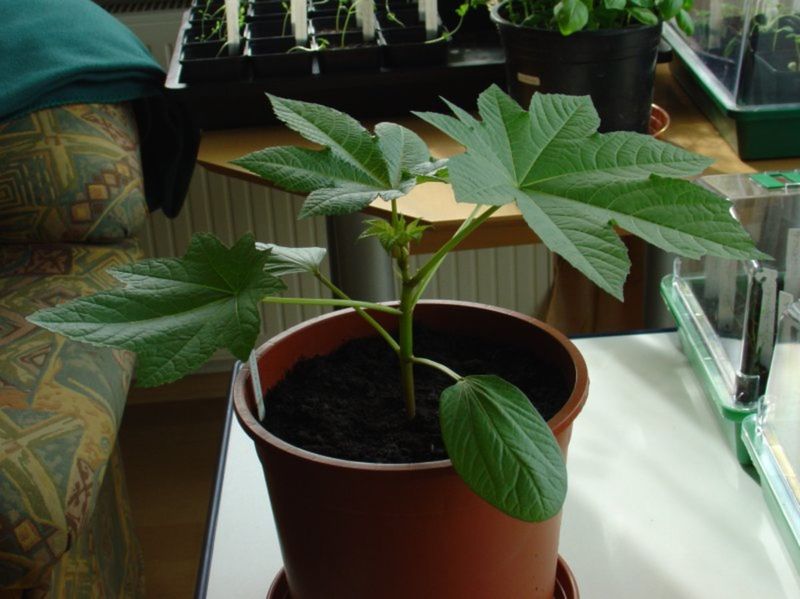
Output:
x,y
348,404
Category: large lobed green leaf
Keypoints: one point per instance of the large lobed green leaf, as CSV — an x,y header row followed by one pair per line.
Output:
x,y
502,447
572,184
354,167
174,313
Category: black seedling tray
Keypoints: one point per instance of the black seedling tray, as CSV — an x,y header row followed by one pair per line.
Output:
x,y
230,91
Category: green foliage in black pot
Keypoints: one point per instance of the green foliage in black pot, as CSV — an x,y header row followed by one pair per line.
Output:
x,y
569,16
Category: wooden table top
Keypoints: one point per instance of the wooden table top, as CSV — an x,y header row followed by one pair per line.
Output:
x,y
433,203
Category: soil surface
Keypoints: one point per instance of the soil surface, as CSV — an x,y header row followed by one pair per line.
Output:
x,y
348,404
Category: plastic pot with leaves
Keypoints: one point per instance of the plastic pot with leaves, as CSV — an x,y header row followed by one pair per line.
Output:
x,y
506,475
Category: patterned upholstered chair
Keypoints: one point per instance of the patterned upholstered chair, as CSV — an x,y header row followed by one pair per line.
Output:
x,y
71,197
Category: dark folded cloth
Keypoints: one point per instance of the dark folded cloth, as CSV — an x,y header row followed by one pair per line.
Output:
x,y
58,52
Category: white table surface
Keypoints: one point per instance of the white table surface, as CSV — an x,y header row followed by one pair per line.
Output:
x,y
658,506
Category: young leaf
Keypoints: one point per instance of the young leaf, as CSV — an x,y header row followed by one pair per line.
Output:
x,y
174,313
684,21
391,237
346,199
643,15
334,129
571,183
402,149
502,447
353,170
282,261
303,170
669,8
614,4
571,16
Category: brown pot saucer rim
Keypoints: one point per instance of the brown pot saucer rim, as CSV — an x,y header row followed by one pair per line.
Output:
x,y
566,585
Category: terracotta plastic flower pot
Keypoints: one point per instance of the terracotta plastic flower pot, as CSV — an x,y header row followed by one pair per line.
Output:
x,y
355,530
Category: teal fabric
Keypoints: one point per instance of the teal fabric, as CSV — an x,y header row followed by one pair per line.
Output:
x,y
58,52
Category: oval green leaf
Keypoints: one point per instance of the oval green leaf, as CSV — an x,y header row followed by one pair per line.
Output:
x,y
502,447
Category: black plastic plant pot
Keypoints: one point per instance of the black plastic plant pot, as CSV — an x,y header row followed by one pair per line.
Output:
x,y
406,47
321,7
260,9
616,67
354,56
326,26
201,33
324,10
210,61
271,57
275,27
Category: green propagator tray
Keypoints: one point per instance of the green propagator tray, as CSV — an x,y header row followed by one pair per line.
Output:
x,y
709,363
780,488
772,436
740,67
727,310
756,133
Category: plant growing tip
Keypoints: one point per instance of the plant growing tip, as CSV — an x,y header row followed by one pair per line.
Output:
x,y
570,183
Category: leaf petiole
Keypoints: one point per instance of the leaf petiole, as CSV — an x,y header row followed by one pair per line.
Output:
x,y
441,367
374,323
340,303
424,275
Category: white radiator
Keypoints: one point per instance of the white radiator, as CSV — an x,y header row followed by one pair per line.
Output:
x,y
516,277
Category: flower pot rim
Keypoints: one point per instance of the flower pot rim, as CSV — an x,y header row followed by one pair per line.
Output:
x,y
560,421
501,20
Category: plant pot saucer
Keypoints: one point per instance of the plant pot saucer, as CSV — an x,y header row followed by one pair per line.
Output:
x,y
566,585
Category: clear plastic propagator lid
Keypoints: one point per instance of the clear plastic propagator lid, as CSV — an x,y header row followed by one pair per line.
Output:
x,y
747,52
772,437
779,410
733,305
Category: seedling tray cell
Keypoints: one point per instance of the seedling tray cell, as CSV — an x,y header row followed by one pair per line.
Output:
x,y
405,47
209,62
354,57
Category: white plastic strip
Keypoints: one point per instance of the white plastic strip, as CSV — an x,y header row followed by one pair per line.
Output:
x,y
784,299
431,18
299,17
368,19
255,379
359,12
766,321
232,25
792,277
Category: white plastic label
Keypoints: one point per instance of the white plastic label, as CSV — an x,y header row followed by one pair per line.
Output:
x,y
791,283
299,17
368,19
431,19
232,25
766,321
